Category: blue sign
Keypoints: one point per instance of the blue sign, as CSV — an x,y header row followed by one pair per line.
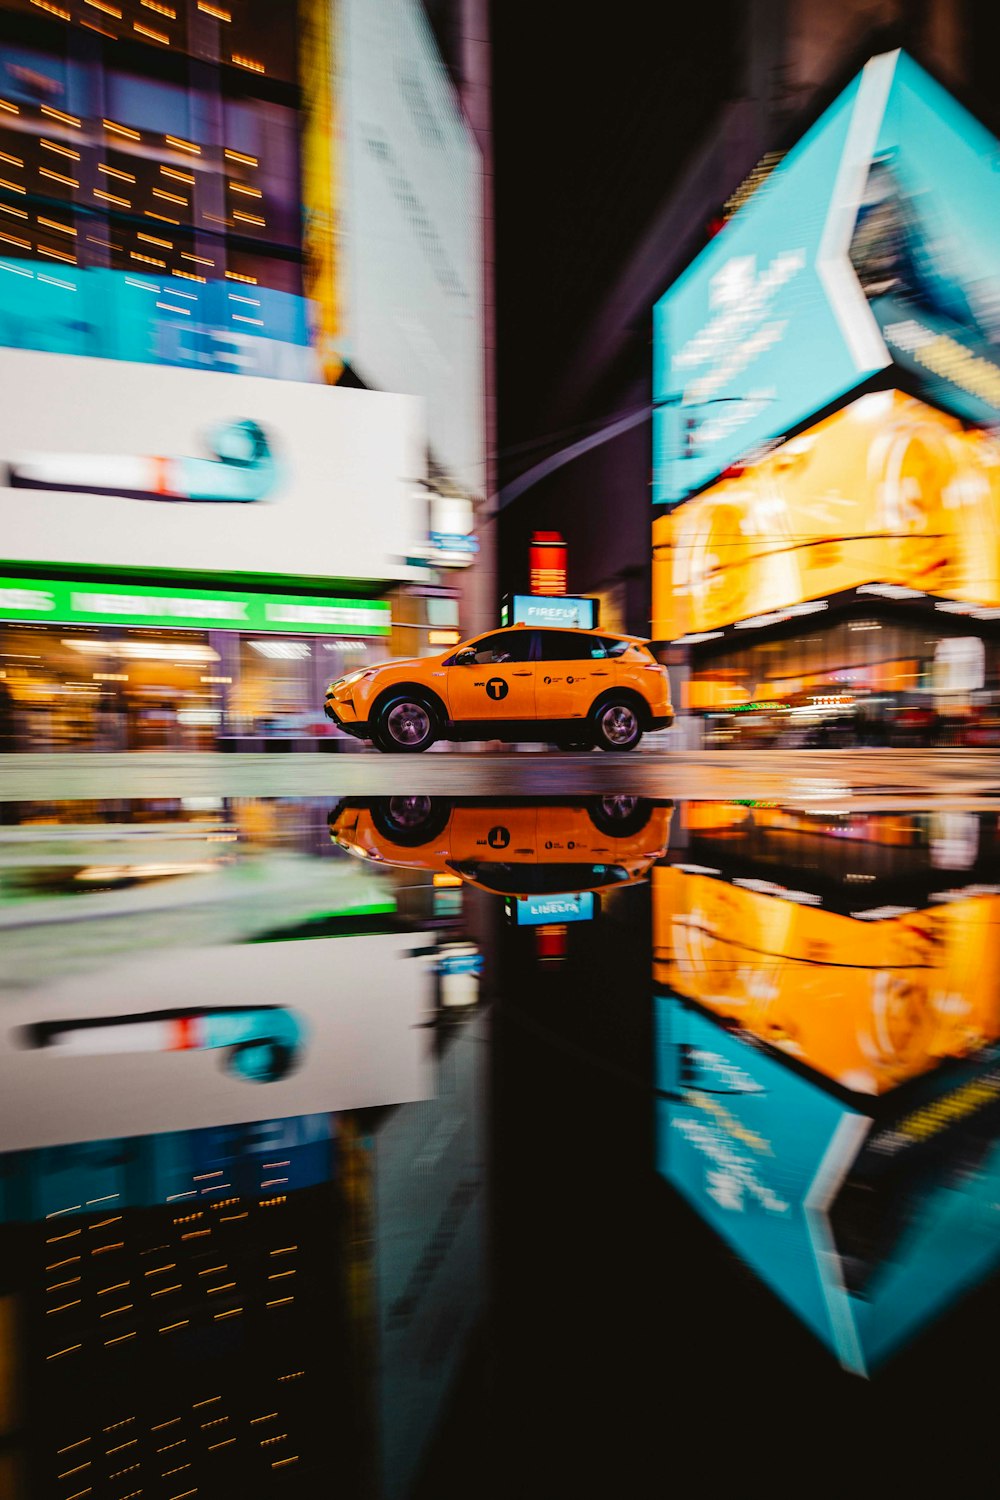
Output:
x,y
454,541
533,911
540,609
460,963
154,319
874,240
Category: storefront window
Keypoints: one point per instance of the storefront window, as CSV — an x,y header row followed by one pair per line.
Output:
x,y
70,687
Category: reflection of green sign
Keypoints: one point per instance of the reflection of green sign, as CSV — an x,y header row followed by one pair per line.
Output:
x,y
117,604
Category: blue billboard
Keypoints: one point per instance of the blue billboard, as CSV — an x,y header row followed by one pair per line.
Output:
x,y
154,319
873,242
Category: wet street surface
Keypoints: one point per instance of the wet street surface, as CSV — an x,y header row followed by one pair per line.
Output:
x,y
880,775
387,1144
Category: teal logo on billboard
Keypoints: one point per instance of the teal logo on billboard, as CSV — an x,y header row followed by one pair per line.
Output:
x,y
872,243
243,469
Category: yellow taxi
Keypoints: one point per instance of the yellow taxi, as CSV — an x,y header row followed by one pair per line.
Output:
x,y
577,688
513,849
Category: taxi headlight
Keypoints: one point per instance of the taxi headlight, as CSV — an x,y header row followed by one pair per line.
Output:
x,y
351,678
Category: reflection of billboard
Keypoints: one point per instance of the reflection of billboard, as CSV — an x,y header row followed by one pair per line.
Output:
x,y
534,911
873,240
886,492
410,220
866,1001
866,1230
142,487
360,1047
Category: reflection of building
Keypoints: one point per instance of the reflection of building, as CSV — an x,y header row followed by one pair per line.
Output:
x,y
229,1307
200,188
826,1042
221,1298
178,1303
221,1306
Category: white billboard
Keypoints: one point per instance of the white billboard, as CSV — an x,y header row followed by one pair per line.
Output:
x,y
410,217
130,1049
111,464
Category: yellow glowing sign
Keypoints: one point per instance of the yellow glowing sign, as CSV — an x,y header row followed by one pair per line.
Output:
x,y
886,492
868,1004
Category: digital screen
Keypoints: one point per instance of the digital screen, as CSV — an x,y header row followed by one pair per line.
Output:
x,y
573,613
866,497
873,240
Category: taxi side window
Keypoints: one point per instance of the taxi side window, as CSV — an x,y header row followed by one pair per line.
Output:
x,y
508,645
563,645
631,648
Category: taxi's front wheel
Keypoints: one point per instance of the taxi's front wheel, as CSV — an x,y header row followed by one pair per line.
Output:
x,y
405,723
617,725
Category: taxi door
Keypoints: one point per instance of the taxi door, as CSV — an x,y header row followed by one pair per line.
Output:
x,y
572,670
499,684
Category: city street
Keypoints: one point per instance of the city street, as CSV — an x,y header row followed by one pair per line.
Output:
x,y
880,778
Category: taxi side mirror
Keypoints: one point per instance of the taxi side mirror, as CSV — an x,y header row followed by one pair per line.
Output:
x,y
465,658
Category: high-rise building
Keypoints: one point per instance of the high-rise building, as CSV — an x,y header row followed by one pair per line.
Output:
x,y
242,263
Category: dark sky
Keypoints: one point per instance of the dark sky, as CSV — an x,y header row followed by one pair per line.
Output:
x,y
592,121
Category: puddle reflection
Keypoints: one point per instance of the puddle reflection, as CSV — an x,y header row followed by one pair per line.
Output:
x,y
827,1068
251,1112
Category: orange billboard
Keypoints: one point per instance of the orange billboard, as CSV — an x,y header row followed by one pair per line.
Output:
x,y
868,1004
887,491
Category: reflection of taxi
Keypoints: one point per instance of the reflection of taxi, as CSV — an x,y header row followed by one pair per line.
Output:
x,y
579,688
517,849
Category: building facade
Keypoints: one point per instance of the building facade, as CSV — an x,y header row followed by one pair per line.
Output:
x,y
241,324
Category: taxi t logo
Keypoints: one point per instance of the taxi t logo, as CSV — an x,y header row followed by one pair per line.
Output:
x,y
497,688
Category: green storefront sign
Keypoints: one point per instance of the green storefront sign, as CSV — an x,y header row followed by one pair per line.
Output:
x,y
68,603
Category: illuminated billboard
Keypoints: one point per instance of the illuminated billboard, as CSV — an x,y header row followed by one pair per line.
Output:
x,y
872,241
865,1229
409,227
155,319
887,496
106,464
867,1000
578,613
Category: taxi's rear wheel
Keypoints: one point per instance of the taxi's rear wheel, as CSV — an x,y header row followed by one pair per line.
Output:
x,y
619,815
405,723
617,725
410,821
